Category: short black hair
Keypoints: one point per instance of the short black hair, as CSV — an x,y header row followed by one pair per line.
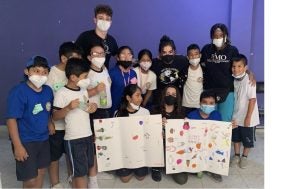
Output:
x,y
105,9
95,44
123,48
240,57
166,41
76,67
144,52
68,48
208,94
37,61
192,47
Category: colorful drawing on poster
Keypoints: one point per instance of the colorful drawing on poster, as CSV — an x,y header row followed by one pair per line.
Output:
x,y
198,145
129,142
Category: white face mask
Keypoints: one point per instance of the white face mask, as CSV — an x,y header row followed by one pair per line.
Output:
x,y
145,65
103,25
194,61
98,61
218,42
239,76
38,80
135,107
84,83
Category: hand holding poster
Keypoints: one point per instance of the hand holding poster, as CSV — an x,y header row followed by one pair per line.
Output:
x,y
198,145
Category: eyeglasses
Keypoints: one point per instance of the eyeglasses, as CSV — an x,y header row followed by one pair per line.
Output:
x,y
97,54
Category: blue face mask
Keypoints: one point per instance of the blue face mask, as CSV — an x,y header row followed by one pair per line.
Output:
x,y
207,109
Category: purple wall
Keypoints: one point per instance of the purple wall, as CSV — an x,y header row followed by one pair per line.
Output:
x,y
39,27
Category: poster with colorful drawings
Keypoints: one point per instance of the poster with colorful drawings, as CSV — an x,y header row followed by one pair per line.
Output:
x,y
198,145
129,142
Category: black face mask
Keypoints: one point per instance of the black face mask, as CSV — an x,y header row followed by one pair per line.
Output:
x,y
124,64
168,59
170,100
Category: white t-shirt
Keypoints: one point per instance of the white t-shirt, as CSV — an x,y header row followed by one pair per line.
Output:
x,y
193,88
142,111
243,92
145,81
96,78
77,120
56,80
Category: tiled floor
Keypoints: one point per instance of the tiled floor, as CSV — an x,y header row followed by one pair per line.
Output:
x,y
252,177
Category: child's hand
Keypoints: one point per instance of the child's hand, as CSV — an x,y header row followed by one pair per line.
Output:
x,y
247,121
73,104
252,80
234,124
20,153
92,107
51,128
100,87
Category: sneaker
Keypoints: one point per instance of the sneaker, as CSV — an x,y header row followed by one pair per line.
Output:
x,y
215,177
58,185
156,175
105,176
200,174
93,184
243,162
180,178
235,161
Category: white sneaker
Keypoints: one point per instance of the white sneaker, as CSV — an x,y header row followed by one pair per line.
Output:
x,y
235,161
58,185
243,163
93,184
105,176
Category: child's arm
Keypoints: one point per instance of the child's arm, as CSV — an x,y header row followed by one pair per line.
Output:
x,y
51,126
94,91
147,96
251,77
61,114
251,105
19,150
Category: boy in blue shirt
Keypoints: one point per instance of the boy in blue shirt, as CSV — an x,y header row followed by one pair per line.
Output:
x,y
29,107
207,111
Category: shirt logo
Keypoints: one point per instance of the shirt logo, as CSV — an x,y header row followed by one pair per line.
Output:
x,y
48,106
57,86
37,108
169,75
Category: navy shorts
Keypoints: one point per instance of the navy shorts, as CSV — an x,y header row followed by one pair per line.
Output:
x,y
39,158
57,147
81,155
246,135
139,172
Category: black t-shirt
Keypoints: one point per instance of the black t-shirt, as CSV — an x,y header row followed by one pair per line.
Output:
x,y
171,115
216,66
87,38
169,74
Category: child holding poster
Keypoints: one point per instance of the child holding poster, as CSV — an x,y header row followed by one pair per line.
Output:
x,y
207,111
170,108
131,106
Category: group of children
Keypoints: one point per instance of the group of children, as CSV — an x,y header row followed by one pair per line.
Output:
x,y
52,112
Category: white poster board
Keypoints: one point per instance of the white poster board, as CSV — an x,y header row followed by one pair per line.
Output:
x,y
129,142
197,145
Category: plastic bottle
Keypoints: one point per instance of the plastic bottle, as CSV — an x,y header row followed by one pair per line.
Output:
x,y
103,98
